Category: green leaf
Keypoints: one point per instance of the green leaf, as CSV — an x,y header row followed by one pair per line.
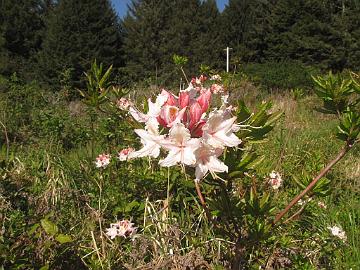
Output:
x,y
63,238
130,206
45,267
49,227
33,228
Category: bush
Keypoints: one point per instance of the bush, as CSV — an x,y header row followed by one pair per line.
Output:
x,y
280,75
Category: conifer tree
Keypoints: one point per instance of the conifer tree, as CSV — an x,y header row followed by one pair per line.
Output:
x,y
143,29
316,32
245,25
20,27
78,31
155,30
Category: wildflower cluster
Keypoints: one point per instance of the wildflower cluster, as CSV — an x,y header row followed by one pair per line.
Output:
x,y
123,228
338,232
192,134
102,161
275,180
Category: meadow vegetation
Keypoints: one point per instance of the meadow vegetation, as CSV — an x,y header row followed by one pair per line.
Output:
x,y
56,203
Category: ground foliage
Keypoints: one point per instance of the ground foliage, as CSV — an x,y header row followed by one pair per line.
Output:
x,y
55,203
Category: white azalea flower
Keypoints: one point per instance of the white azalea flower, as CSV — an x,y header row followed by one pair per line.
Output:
x,y
218,131
151,144
180,145
152,126
154,109
206,160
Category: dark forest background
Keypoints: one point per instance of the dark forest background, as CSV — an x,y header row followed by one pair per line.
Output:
x,y
55,42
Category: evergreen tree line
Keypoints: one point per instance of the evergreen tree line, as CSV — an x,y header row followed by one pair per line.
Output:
x,y
56,41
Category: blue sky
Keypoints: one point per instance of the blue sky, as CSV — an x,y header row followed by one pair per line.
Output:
x,y
121,5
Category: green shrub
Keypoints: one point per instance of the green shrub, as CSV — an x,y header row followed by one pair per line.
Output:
x,y
280,75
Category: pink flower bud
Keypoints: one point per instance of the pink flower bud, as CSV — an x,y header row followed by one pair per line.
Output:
x,y
195,114
204,100
197,129
184,99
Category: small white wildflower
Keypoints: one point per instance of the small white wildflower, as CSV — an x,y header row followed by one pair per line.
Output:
x,y
322,205
338,232
102,160
302,202
123,228
275,180
112,232
123,103
215,77
217,88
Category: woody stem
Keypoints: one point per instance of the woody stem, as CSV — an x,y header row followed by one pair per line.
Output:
x,y
202,200
340,155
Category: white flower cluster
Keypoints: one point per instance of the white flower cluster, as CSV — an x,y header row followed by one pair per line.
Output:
x,y
123,228
102,160
193,134
275,180
338,232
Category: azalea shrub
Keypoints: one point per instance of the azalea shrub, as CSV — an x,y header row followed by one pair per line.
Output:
x,y
209,141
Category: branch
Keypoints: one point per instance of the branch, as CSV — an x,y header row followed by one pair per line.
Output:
x,y
202,200
340,155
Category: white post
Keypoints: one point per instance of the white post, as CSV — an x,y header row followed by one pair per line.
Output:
x,y
227,58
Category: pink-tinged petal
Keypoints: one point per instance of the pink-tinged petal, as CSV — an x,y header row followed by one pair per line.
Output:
x,y
226,124
180,145
195,114
206,160
171,100
188,156
172,159
154,109
161,99
151,145
137,115
184,99
204,100
200,171
178,118
179,134
221,139
161,121
216,165
169,114
197,130
152,126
